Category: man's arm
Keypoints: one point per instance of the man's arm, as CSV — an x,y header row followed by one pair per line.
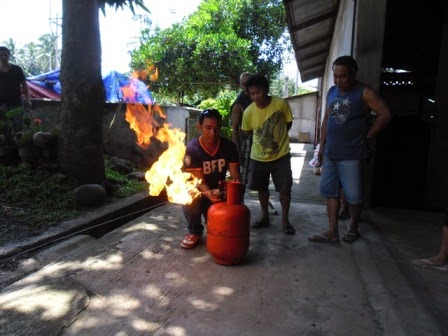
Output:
x,y
378,105
236,115
26,92
213,195
323,136
234,170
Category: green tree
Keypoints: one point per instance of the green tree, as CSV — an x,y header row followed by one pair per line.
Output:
x,y
47,52
206,53
35,58
282,86
80,147
28,59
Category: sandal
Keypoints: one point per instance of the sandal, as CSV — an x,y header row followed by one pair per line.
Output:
x,y
428,263
350,237
191,240
260,224
289,229
321,238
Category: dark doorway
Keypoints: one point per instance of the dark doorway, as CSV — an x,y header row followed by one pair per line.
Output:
x,y
409,71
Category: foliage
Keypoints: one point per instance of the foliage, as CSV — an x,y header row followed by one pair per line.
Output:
x,y
123,186
6,126
304,90
35,58
120,4
23,120
207,52
46,196
282,87
26,136
286,87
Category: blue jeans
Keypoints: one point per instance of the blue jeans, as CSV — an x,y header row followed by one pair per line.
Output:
x,y
193,213
348,174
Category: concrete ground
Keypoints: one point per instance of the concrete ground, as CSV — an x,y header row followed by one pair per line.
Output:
x,y
136,280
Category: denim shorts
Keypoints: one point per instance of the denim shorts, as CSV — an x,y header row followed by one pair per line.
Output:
x,y
348,174
280,170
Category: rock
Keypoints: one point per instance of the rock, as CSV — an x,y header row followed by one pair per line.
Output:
x,y
44,139
122,166
108,187
90,194
139,176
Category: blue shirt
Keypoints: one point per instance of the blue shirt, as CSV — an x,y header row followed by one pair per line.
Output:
x,y
347,124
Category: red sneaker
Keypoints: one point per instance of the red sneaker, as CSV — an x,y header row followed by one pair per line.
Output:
x,y
191,240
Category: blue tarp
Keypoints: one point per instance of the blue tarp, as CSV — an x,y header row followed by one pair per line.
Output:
x,y
113,82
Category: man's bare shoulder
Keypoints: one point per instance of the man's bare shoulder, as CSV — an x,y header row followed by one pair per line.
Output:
x,y
237,107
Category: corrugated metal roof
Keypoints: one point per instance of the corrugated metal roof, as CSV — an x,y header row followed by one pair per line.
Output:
x,y
311,25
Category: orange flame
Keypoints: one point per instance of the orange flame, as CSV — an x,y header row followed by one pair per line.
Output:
x,y
152,72
167,172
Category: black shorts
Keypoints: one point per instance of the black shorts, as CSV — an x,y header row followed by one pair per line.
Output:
x,y
280,171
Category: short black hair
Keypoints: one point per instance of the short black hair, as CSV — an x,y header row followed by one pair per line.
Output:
x,y
5,50
347,61
210,113
258,80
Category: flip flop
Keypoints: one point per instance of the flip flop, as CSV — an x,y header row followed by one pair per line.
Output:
x,y
321,238
350,237
289,229
426,263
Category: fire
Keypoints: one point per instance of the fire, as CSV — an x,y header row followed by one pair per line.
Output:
x,y
167,171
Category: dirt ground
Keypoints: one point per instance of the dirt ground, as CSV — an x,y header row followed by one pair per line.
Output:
x,y
13,225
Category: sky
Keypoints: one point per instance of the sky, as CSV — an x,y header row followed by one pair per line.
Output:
x,y
26,20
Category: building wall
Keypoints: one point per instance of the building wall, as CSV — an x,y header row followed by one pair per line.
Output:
x,y
304,109
119,139
341,45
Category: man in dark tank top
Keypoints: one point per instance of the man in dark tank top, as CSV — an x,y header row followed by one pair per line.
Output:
x,y
343,145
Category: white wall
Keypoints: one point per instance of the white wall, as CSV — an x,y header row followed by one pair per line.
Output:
x,y
304,112
366,42
341,45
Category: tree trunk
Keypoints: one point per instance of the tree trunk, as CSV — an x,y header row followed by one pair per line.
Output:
x,y
80,151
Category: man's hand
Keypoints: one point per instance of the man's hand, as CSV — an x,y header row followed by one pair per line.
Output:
x,y
320,154
213,195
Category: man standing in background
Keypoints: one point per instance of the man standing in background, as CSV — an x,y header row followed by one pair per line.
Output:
x,y
243,140
269,119
12,84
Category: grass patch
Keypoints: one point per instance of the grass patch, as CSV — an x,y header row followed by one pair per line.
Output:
x,y
43,197
123,186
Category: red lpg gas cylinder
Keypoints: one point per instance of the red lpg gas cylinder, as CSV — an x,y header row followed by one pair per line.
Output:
x,y
228,228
